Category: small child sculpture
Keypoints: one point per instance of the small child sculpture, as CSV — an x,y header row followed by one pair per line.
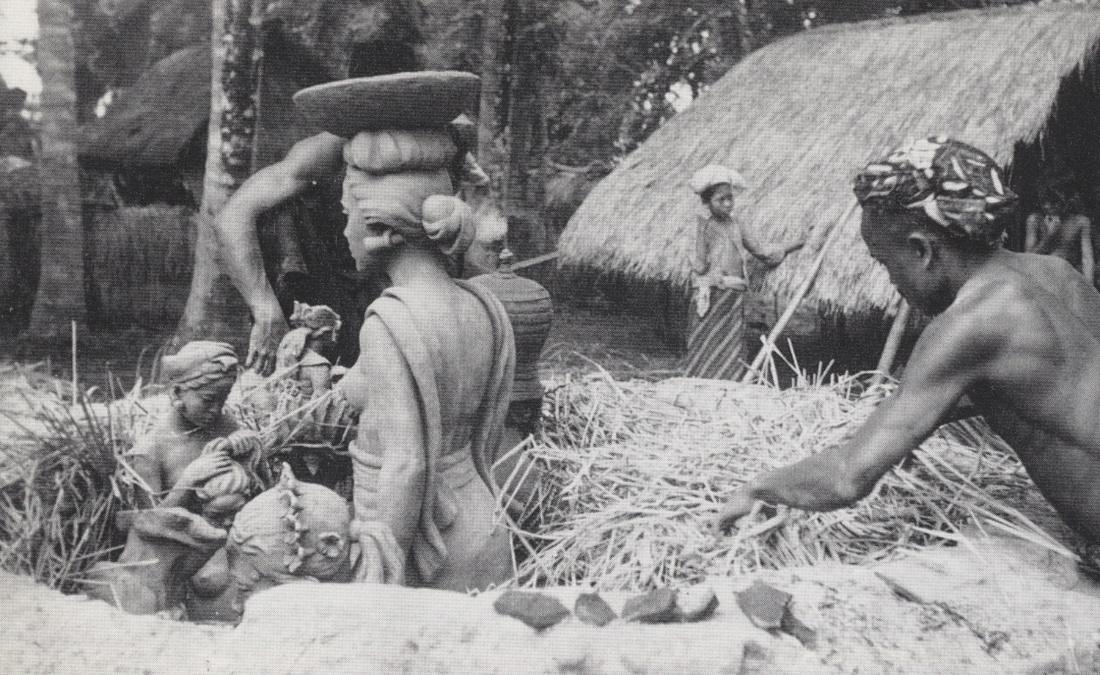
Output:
x,y
194,441
302,352
195,460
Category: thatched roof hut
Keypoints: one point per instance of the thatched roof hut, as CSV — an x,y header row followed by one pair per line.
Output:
x,y
160,122
799,117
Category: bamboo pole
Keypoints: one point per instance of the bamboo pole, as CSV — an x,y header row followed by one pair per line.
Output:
x,y
537,260
796,300
74,362
893,341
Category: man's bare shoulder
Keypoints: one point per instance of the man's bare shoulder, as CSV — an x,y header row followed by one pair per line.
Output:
x,y
991,311
1019,299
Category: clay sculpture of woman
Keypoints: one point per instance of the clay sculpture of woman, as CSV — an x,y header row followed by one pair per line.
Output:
x,y
437,356
196,466
433,381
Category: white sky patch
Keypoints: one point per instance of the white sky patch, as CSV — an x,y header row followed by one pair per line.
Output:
x,y
17,73
18,20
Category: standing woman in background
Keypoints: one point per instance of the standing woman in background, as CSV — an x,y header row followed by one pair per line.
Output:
x,y
720,277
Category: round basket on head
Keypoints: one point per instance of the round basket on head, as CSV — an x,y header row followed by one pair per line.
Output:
x,y
420,100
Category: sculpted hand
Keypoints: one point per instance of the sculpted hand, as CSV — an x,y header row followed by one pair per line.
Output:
x,y
204,468
381,560
263,343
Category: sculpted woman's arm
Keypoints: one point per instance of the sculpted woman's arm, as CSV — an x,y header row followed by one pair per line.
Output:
x,y
142,462
393,410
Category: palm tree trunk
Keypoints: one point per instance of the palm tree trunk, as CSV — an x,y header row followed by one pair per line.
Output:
x,y
60,296
744,30
214,308
489,126
522,194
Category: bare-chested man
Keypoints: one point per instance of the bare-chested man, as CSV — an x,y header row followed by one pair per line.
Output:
x,y
1062,230
1018,333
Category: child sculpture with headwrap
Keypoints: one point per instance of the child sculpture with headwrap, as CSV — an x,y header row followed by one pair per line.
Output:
x,y
437,355
196,456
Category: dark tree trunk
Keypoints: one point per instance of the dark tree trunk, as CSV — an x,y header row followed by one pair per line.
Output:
x,y
489,125
214,308
60,297
523,189
744,29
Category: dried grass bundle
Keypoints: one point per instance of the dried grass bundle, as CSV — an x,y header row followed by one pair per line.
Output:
x,y
62,487
634,469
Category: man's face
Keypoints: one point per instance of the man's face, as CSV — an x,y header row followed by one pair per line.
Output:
x,y
911,262
483,256
203,405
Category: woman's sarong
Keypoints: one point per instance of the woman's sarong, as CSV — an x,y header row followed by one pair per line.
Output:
x,y
716,340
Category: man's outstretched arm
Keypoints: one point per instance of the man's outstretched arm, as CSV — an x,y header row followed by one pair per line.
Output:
x,y
944,363
315,158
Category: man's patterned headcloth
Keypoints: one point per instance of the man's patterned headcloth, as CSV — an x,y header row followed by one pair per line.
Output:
x,y
955,184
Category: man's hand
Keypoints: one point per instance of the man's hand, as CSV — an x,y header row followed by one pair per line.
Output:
x,y
739,505
263,343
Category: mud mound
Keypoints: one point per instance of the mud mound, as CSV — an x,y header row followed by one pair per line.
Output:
x,y
1002,607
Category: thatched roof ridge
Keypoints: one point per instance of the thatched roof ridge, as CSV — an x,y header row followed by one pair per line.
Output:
x,y
155,118
153,121
799,117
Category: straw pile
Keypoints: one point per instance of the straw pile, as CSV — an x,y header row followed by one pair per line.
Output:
x,y
633,471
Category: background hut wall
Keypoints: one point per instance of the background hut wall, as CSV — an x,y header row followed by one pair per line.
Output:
x,y
140,263
851,341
